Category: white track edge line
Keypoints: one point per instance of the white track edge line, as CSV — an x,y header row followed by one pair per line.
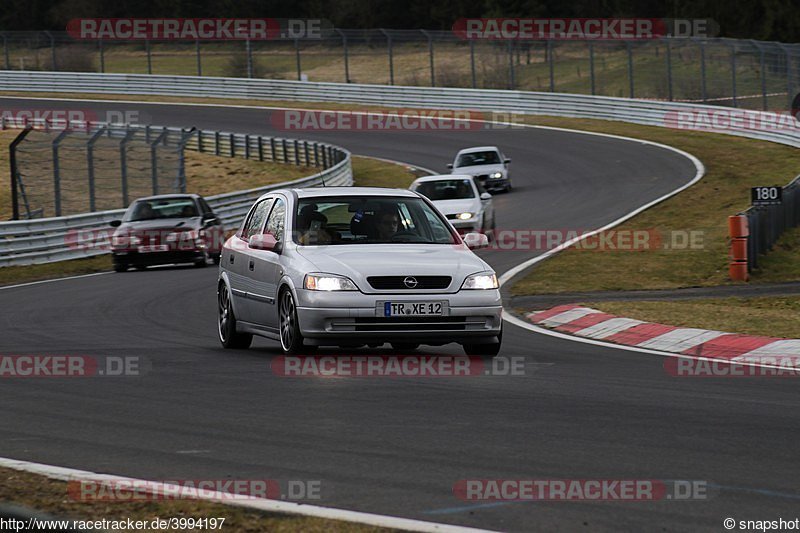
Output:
x,y
406,524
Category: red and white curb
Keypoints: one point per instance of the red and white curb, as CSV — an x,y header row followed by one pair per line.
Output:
x,y
590,323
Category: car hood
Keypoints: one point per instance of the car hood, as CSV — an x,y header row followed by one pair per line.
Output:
x,y
479,169
358,261
449,207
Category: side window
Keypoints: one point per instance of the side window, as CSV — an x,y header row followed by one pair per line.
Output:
x,y
204,207
256,219
277,220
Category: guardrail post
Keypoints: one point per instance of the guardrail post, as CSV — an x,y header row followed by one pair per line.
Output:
x,y
324,158
430,55
297,59
733,74
511,81
316,155
305,144
247,146
285,151
57,170
550,58
154,160
703,71
296,153
249,51
123,163
738,230
272,155
232,141
149,58
5,51
216,143
591,65
52,49
260,148
472,62
391,59
12,157
763,73
346,56
197,53
668,56
629,49
90,165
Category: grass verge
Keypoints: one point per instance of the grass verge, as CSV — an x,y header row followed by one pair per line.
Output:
x,y
51,497
770,316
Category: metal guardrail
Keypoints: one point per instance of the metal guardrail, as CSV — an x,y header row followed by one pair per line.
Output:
x,y
767,223
747,123
646,112
46,240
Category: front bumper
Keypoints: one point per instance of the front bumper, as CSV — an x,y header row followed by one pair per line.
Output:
x,y
493,184
134,258
473,316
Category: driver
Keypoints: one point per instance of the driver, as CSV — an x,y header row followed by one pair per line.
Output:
x,y
388,224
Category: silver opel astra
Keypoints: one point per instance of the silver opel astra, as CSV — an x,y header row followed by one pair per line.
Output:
x,y
355,266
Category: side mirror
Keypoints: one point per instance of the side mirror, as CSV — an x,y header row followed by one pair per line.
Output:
x,y
209,219
450,166
265,241
506,161
476,240
115,223
486,196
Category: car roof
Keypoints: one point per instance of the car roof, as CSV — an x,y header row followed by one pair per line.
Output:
x,y
442,177
169,196
478,149
317,192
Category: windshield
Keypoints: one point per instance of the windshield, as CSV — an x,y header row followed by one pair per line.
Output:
x,y
478,158
369,219
459,189
161,208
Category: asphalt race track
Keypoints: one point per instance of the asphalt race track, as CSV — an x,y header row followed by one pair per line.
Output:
x,y
397,446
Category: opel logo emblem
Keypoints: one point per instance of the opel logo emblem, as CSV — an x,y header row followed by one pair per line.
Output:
x,y
410,282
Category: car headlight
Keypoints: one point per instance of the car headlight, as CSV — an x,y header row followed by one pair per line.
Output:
x,y
328,282
497,175
483,280
464,216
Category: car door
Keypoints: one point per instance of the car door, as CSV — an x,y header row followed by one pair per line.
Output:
x,y
486,204
264,269
236,258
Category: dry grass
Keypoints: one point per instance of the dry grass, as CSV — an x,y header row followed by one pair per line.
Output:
x,y
50,496
777,317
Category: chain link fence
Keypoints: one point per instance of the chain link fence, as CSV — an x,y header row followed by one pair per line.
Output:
x,y
737,73
67,171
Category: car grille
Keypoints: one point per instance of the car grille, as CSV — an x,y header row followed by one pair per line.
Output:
x,y
439,323
387,283
482,177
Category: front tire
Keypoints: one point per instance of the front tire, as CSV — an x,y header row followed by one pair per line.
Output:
x,y
226,323
291,337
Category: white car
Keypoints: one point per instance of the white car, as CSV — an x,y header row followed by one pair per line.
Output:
x,y
461,199
487,164
348,266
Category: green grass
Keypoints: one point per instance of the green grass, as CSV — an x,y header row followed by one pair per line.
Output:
x,y
770,316
733,165
50,496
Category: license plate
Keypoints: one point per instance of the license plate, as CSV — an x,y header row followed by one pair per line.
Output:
x,y
153,248
391,309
